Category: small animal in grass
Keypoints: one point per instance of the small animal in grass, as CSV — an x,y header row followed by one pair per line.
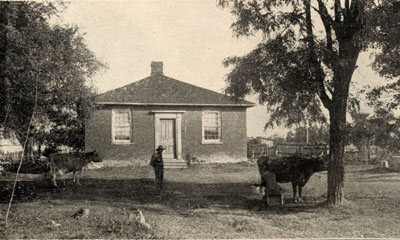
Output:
x,y
297,170
63,163
137,215
83,212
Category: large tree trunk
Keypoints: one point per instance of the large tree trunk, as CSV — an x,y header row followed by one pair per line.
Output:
x,y
337,112
336,166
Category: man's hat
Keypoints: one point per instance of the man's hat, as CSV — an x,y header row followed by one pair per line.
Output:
x,y
160,147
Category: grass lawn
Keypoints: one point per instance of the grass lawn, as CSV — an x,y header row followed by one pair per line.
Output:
x,y
203,201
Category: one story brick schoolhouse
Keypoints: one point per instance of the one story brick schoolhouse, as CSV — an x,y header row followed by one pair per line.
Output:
x,y
191,122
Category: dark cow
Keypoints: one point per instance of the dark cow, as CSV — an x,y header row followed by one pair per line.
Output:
x,y
62,163
296,170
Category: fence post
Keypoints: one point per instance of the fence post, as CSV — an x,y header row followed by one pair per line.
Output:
x,y
264,154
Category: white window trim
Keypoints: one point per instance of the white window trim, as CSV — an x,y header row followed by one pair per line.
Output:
x,y
113,127
218,141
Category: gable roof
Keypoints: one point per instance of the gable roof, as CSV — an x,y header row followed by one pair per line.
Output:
x,y
158,89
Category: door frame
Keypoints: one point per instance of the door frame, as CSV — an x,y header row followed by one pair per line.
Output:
x,y
171,124
177,116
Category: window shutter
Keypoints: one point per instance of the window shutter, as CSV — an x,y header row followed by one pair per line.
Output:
x,y
202,126
130,124
112,125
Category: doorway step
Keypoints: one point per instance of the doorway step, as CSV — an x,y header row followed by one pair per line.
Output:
x,y
174,163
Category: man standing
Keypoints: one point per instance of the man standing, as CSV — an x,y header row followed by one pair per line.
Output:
x,y
158,166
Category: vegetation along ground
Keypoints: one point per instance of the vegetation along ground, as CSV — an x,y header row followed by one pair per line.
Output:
x,y
203,201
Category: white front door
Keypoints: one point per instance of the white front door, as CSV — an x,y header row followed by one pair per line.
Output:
x,y
168,132
167,137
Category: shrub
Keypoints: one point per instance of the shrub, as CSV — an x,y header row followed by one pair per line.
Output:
x,y
191,159
35,166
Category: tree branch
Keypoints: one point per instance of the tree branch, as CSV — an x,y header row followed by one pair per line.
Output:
x,y
338,11
23,152
347,5
317,72
309,26
338,20
326,100
353,5
327,21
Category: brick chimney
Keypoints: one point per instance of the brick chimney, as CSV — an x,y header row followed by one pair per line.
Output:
x,y
156,68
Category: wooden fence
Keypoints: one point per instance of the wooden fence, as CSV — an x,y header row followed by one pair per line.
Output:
x,y
286,149
304,150
258,150
10,156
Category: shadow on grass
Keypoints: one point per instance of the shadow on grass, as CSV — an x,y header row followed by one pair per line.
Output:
x,y
378,175
178,196
376,170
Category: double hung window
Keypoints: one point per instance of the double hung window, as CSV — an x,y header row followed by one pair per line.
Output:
x,y
212,127
121,126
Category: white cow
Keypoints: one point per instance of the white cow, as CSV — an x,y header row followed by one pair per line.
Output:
x,y
62,163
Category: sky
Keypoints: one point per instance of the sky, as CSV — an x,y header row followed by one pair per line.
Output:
x,y
190,37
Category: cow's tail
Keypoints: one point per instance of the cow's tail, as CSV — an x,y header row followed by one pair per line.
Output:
x,y
262,168
262,162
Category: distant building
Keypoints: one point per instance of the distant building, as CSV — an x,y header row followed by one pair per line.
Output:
x,y
9,145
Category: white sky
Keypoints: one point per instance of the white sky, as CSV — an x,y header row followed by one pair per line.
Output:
x,y
191,37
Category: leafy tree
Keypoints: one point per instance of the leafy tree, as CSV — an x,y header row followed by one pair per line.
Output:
x,y
307,58
44,70
316,135
381,129
277,139
361,131
385,35
386,128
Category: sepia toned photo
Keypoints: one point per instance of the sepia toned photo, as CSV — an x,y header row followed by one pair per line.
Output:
x,y
200,119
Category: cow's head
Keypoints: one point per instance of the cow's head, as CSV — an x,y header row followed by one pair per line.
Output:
x,y
93,156
321,163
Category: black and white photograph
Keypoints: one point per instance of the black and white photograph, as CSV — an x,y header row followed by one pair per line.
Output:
x,y
200,119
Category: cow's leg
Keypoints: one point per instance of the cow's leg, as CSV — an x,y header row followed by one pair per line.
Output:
x,y
300,190
65,179
54,179
77,174
263,184
294,187
265,196
79,177
302,182
74,177
52,175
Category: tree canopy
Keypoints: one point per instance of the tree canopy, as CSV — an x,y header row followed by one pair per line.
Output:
x,y
316,135
381,129
307,58
293,68
44,72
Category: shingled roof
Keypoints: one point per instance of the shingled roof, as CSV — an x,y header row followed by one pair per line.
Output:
x,y
158,89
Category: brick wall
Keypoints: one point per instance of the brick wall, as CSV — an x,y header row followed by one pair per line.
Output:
x,y
234,139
